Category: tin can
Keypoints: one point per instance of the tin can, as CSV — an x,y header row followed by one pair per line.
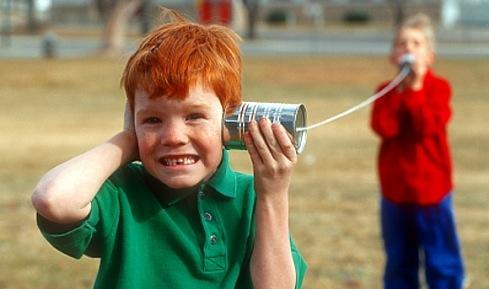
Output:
x,y
291,116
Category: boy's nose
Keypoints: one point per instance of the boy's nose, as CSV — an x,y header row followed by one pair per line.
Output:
x,y
174,134
409,47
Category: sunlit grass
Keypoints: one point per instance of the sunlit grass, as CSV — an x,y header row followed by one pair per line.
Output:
x,y
52,110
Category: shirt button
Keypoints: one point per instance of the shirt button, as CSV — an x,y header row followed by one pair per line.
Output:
x,y
208,216
213,239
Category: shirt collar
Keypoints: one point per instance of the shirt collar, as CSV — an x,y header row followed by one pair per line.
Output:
x,y
223,182
224,179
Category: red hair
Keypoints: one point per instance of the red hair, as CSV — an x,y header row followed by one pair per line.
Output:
x,y
178,55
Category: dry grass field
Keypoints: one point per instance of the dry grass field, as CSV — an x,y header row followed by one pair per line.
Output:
x,y
52,110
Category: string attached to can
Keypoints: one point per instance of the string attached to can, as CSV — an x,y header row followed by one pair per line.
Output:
x,y
405,63
293,116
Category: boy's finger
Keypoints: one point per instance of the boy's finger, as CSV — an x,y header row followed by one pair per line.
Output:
x,y
267,133
260,144
285,141
250,146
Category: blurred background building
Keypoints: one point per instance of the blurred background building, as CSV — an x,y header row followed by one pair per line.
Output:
x,y
115,19
26,13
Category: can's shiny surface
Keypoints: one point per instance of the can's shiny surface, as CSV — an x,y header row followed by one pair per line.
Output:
x,y
291,116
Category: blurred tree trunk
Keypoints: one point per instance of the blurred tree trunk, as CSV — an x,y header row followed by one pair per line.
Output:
x,y
145,20
6,24
399,11
252,17
32,23
116,14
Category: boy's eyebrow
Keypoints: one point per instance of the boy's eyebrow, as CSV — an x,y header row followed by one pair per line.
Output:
x,y
201,105
145,110
198,105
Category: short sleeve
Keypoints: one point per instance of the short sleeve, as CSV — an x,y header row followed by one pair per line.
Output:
x,y
299,264
76,241
90,236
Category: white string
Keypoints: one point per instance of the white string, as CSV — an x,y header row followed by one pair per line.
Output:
x,y
398,79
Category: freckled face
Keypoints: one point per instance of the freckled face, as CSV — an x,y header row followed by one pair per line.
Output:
x,y
413,41
179,140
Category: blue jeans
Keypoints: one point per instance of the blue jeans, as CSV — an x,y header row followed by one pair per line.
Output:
x,y
421,234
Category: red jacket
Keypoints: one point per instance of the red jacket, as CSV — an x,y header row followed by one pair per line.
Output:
x,y
414,162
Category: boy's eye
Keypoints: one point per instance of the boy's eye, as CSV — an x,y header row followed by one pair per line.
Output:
x,y
151,120
195,116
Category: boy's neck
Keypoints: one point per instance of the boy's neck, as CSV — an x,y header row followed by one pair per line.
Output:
x,y
165,194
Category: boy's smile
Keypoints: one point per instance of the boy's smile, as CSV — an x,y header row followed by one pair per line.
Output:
x,y
171,161
179,139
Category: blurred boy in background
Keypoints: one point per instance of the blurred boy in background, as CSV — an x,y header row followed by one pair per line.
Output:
x,y
415,169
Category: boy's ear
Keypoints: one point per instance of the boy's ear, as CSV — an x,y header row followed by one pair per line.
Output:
x,y
225,134
224,130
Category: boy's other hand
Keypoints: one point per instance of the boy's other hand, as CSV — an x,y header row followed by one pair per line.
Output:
x,y
129,129
128,118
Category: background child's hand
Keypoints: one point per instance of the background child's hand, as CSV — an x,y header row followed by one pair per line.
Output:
x,y
273,156
415,79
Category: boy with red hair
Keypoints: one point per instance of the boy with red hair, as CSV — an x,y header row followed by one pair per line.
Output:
x,y
182,217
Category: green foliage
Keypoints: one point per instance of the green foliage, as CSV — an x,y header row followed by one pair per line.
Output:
x,y
356,17
276,17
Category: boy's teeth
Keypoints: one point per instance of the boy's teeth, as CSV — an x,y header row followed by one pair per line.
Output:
x,y
179,161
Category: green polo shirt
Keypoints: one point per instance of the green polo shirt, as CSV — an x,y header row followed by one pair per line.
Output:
x,y
149,236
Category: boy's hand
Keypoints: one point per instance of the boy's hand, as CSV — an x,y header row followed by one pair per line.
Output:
x,y
273,156
415,79
129,129
128,118
419,68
